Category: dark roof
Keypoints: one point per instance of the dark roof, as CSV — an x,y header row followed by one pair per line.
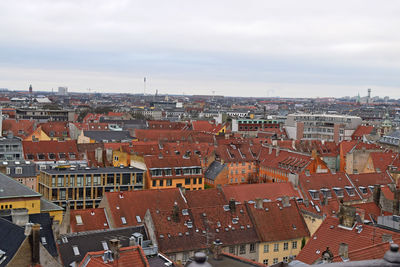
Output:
x,y
229,260
28,170
11,238
46,205
100,136
159,261
91,241
10,188
214,169
46,231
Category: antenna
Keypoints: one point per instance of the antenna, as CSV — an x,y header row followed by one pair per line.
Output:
x,y
144,86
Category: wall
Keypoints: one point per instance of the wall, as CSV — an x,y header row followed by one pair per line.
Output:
x,y
271,254
31,204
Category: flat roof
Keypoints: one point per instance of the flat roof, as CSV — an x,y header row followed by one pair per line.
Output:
x,y
93,170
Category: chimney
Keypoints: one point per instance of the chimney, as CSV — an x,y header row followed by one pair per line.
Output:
x,y
259,203
396,202
306,202
277,152
20,217
232,205
347,215
285,202
376,195
35,243
344,251
99,154
217,249
114,247
175,212
270,150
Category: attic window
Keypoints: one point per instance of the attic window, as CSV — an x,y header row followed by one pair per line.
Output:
x,y
30,156
76,250
314,194
44,242
371,187
52,156
326,192
72,155
138,219
78,220
123,219
350,190
41,156
185,212
338,191
62,155
363,189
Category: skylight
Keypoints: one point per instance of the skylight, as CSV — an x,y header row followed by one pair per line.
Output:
x,y
78,219
76,250
138,219
123,219
105,245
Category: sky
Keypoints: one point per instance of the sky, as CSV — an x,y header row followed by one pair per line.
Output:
x,y
225,47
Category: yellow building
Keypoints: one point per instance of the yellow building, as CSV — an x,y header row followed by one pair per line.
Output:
x,y
281,228
38,135
14,195
174,171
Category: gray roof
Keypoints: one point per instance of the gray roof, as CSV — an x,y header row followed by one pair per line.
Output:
x,y
28,170
115,136
228,261
11,238
395,134
46,205
94,170
10,188
215,168
91,241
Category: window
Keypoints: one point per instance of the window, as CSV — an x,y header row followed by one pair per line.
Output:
x,y
8,170
314,194
30,156
285,246
139,178
76,250
326,192
169,182
52,156
62,155
123,219
41,156
200,180
265,261
275,260
60,180
338,191
178,171
266,248
161,182
294,244
154,183
72,155
185,256
350,190
252,248
363,190
105,245
167,172
285,259
44,242
187,181
78,219
276,247
232,250
242,249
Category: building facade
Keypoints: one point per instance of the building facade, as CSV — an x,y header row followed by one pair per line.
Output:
x,y
85,187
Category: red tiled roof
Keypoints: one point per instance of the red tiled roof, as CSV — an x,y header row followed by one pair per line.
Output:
x,y
329,234
34,149
287,223
92,126
168,125
381,160
171,161
55,128
172,135
321,208
369,179
20,128
128,256
361,131
206,126
238,152
92,219
116,146
329,181
205,198
387,193
90,117
246,192
136,203
285,160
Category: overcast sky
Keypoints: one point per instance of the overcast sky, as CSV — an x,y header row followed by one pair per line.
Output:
x,y
240,48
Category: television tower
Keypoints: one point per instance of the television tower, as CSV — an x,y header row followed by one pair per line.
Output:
x,y
369,96
144,86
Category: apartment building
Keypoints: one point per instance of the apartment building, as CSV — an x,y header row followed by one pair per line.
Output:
x,y
85,187
11,148
44,115
327,127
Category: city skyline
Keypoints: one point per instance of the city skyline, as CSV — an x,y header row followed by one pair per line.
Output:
x,y
255,49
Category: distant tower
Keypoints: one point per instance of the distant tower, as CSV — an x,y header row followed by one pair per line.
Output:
x,y
30,89
369,95
144,86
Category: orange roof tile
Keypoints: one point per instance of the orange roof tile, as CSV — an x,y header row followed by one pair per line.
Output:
x,y
90,219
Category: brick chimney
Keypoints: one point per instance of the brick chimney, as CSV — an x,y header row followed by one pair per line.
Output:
x,y
217,249
344,251
347,215
175,212
232,205
34,238
376,195
115,247
396,202
277,151
285,201
20,217
259,203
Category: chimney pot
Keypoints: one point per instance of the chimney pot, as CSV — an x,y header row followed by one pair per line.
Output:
x,y
259,203
344,250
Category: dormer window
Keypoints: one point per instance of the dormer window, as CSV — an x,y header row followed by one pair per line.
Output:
x,y
338,191
167,172
363,190
371,187
326,192
156,172
350,190
314,194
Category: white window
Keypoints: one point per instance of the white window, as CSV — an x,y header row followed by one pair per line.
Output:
x,y
123,219
105,245
275,260
78,219
276,247
294,244
8,170
266,249
76,250
44,242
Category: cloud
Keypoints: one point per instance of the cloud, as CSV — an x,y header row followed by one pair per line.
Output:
x,y
224,45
